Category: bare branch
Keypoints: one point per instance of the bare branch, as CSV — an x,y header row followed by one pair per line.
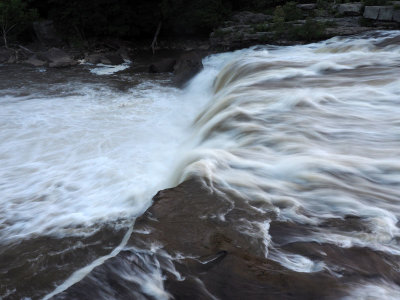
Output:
x,y
154,43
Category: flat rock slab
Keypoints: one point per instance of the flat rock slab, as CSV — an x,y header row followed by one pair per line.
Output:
x,y
382,13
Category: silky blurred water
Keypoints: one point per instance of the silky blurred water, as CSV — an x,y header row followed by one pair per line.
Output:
x,y
309,131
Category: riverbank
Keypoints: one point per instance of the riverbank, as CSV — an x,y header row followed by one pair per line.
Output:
x,y
290,24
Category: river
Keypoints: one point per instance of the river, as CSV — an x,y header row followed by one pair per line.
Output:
x,y
307,137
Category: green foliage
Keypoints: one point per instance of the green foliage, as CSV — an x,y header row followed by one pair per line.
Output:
x,y
291,12
99,18
15,17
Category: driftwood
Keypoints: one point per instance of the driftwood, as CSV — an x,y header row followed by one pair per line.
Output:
x,y
26,49
154,42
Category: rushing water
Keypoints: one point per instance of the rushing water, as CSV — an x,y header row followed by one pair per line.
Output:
x,y
311,132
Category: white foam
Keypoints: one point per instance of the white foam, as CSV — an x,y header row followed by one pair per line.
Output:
x,y
323,145
92,155
102,69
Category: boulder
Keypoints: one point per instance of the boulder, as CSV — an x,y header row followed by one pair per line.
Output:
x,y
350,9
163,66
380,13
35,61
5,55
46,33
105,58
187,65
57,58
246,17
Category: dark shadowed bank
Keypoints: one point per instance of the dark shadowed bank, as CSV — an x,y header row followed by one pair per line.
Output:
x,y
57,33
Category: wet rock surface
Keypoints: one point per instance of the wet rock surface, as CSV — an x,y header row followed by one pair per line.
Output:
x,y
186,66
53,58
206,245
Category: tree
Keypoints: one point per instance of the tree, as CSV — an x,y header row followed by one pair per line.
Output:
x,y
15,16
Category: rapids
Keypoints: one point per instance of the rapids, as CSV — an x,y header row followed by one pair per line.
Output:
x,y
307,136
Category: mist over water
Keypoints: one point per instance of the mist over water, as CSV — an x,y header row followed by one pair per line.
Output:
x,y
85,153
306,135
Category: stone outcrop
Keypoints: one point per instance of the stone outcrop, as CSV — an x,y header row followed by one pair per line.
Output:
x,y
57,58
187,65
350,9
53,58
246,29
382,13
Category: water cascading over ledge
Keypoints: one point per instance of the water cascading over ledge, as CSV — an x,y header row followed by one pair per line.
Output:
x,y
289,189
